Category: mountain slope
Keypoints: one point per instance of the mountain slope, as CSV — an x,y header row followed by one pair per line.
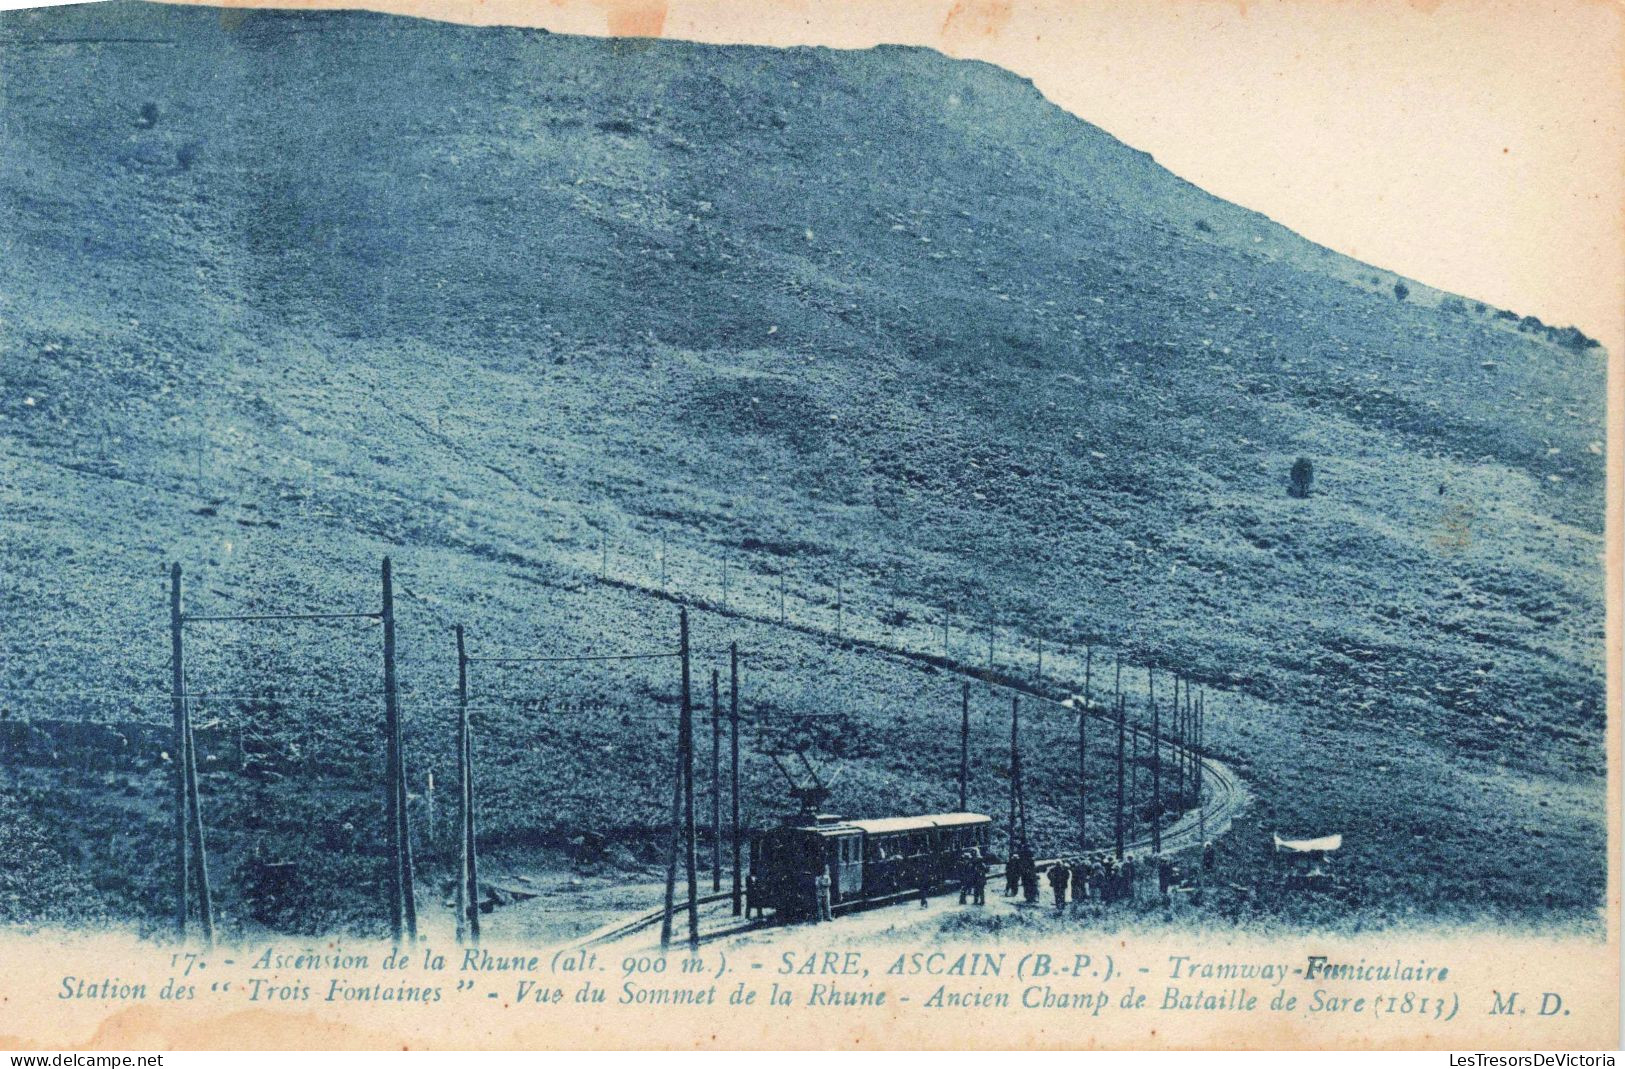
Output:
x,y
283,292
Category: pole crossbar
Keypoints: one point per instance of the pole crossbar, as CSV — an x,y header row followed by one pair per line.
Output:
x,y
260,617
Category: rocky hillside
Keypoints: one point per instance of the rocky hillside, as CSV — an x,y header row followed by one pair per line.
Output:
x,y
284,292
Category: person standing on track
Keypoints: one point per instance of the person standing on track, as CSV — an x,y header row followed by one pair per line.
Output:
x,y
753,898
823,883
1059,877
1111,881
1029,877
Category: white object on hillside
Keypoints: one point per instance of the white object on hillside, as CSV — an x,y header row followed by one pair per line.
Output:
x,y
1325,842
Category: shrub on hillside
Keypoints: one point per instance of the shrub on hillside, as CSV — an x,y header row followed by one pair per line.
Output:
x,y
1401,291
1303,476
1574,338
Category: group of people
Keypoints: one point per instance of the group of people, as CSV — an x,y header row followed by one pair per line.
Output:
x,y
1021,874
1090,878
1100,877
971,875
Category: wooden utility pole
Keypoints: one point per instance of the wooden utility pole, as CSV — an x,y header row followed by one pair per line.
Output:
x,y
1136,765
1185,746
781,597
691,862
733,792
468,866
1201,741
1177,713
404,911
678,781
1156,761
1018,803
964,747
471,827
1201,814
462,787
190,851
392,799
1200,718
433,832
676,840
1178,745
716,781
200,855
1121,718
1190,742
177,705
1083,750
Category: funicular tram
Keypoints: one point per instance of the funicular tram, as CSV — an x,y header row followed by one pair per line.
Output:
x,y
870,862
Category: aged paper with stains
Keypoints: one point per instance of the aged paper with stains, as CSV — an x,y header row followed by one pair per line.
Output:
x,y
612,523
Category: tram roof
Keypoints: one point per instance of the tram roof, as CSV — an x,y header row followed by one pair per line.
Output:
x,y
925,822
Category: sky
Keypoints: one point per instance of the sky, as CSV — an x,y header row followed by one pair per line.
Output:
x,y
1473,145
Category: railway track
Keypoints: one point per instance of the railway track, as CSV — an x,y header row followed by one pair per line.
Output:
x,y
1225,797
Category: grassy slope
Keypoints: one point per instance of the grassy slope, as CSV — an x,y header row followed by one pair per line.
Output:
x,y
880,315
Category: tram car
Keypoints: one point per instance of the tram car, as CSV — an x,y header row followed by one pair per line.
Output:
x,y
869,861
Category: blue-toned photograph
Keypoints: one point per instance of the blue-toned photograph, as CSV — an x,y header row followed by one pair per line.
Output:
x,y
483,485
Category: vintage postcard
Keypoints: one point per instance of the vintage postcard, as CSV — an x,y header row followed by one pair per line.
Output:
x,y
924,524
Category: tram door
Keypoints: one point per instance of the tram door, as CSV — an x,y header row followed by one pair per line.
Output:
x,y
846,870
